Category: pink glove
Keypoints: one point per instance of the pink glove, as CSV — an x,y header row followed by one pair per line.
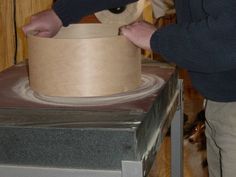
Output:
x,y
44,24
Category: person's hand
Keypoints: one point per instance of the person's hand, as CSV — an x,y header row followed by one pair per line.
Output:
x,y
139,33
44,24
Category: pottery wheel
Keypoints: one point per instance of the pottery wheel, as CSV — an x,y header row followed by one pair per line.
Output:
x,y
149,85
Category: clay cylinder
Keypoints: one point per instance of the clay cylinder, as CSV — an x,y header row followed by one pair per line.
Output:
x,y
85,60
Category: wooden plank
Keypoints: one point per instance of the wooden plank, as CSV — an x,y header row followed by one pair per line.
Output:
x,y
7,37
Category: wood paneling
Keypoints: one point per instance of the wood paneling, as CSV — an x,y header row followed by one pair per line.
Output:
x,y
23,10
7,39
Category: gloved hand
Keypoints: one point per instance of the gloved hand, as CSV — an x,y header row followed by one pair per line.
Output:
x,y
44,24
139,33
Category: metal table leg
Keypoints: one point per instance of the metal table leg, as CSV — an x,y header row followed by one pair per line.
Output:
x,y
177,139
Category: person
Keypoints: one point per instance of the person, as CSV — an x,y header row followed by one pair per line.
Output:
x,y
203,41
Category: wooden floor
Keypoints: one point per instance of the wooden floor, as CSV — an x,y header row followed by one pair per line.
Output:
x,y
193,103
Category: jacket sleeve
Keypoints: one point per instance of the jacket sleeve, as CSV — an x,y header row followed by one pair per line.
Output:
x,y
70,11
183,12
206,46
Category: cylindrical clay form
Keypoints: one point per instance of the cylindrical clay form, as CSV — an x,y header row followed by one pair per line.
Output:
x,y
82,61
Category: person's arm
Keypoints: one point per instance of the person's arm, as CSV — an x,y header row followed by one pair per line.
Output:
x,y
183,13
204,46
65,12
70,11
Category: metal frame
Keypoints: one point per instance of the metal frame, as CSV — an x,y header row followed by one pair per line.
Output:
x,y
177,138
129,168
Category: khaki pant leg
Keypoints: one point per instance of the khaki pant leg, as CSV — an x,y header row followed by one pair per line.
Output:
x,y
221,138
213,152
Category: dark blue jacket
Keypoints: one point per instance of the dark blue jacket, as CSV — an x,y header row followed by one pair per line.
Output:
x,y
203,41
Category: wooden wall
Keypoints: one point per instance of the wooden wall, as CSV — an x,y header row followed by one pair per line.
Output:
x,y
7,42
16,12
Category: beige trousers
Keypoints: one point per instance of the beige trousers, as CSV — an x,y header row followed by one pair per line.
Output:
x,y
221,138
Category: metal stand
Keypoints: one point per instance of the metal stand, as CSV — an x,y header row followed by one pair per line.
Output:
x,y
177,139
